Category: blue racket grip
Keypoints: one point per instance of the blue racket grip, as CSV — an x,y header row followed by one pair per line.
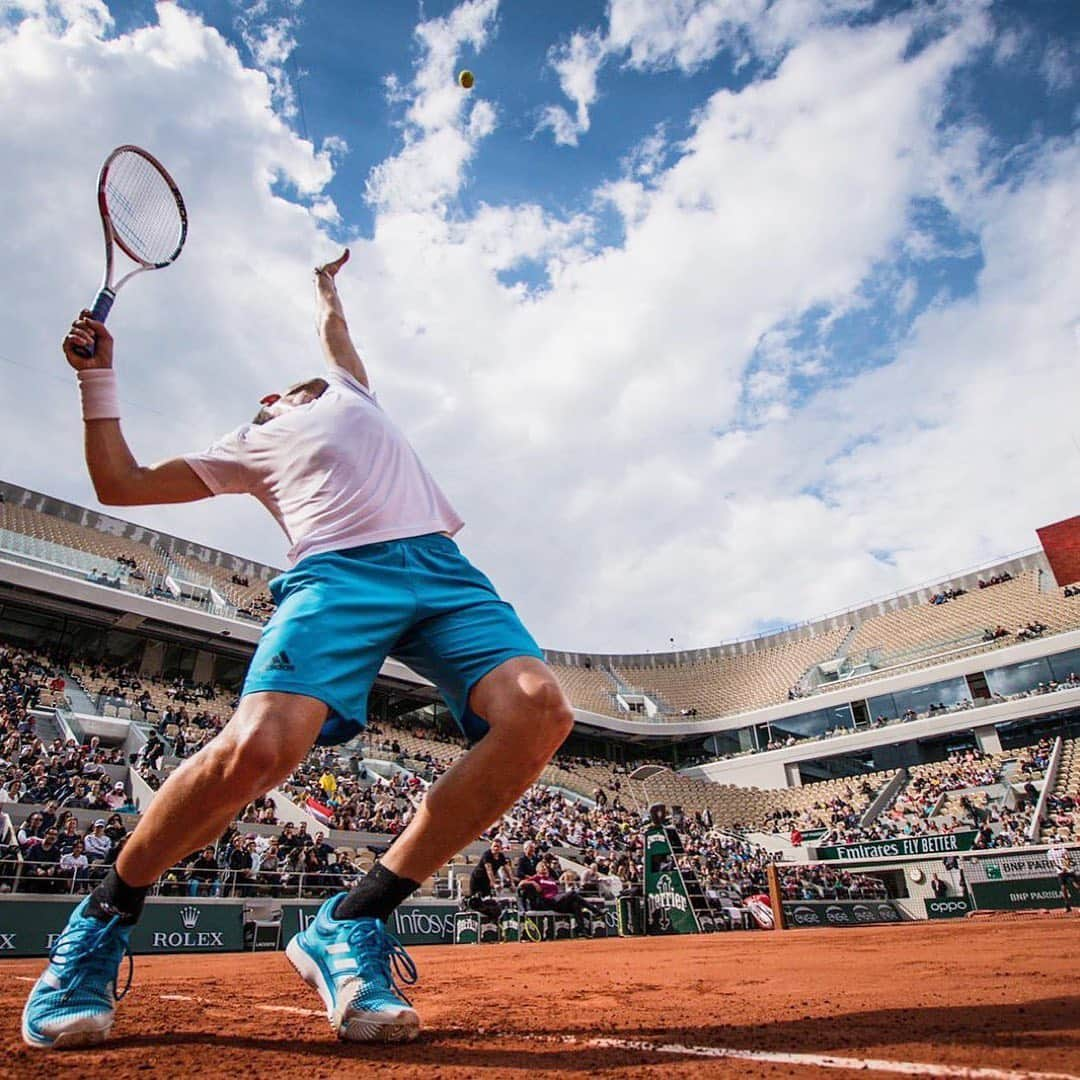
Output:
x,y
103,303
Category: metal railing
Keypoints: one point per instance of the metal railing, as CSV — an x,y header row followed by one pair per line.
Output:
x,y
22,875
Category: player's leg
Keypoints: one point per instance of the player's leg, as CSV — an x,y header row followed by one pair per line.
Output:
x,y
528,718
346,953
73,1003
262,744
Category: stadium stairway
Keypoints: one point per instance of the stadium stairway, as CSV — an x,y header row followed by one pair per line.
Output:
x,y
45,726
80,700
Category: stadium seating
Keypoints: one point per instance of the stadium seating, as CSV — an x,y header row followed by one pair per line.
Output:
x,y
732,684
1063,805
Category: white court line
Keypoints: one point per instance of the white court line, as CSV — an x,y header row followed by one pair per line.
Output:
x,y
827,1061
292,1009
819,1061
244,1005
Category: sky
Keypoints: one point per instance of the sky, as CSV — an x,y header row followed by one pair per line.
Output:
x,y
710,316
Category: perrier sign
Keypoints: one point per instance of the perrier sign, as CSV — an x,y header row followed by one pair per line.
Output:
x,y
667,903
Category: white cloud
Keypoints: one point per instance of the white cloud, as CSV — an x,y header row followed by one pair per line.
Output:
x,y
1058,66
577,64
443,125
268,29
623,443
682,35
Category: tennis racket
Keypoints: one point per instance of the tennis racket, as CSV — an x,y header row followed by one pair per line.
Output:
x,y
143,214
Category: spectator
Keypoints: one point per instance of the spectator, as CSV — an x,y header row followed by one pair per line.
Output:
x,y
203,874
97,843
74,868
41,865
527,861
484,880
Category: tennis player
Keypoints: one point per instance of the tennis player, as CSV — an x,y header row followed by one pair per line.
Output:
x,y
1060,858
374,573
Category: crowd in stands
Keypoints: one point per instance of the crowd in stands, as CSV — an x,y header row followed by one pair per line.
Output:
x,y
946,594
258,608
841,810
1063,803
1031,630
818,881
293,863
1072,590
996,579
57,854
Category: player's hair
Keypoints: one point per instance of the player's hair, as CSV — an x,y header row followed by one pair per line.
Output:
x,y
317,383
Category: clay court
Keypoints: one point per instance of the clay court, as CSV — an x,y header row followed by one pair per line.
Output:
x,y
987,1000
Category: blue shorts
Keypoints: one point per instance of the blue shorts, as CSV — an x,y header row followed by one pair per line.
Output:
x,y
340,614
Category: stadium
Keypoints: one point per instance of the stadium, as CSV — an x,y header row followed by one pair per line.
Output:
x,y
883,782
737,734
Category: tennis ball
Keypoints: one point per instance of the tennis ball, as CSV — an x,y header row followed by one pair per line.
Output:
x,y
465,79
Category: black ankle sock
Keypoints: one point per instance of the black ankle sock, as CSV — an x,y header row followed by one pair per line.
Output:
x,y
376,896
114,896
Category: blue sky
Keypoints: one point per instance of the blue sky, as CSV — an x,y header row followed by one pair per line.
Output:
x,y
710,317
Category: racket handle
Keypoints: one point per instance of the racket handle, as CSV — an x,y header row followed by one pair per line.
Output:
x,y
103,303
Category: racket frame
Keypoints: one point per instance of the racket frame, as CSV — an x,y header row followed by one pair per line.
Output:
x,y
103,302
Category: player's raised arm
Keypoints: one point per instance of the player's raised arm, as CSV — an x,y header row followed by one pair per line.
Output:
x,y
333,329
119,480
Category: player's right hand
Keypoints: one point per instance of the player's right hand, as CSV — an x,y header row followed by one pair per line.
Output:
x,y
86,331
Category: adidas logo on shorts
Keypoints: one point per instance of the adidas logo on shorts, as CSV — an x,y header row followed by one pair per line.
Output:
x,y
280,662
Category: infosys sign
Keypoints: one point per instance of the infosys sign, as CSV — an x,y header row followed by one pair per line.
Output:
x,y
411,924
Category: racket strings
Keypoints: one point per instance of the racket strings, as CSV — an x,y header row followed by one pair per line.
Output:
x,y
143,209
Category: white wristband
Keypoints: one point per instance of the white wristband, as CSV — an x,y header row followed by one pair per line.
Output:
x,y
99,397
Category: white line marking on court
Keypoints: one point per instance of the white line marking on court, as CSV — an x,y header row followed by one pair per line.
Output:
x,y
777,1057
25,978
292,1009
295,1009
827,1061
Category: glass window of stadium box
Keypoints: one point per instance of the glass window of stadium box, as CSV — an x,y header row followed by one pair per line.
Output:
x,y
1064,664
1019,678
807,725
723,743
949,692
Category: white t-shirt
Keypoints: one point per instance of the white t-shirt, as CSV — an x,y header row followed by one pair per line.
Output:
x,y
1059,858
335,473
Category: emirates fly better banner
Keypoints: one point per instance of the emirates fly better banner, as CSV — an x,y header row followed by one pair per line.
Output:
x,y
937,844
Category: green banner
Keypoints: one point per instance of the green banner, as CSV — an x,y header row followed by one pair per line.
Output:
x,y
31,927
937,844
1006,895
806,913
412,924
667,903
948,907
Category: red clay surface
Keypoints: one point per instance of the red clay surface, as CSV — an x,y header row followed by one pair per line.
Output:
x,y
990,994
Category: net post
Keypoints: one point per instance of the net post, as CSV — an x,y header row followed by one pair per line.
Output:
x,y
776,897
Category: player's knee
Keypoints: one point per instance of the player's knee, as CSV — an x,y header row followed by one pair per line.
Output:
x,y
545,715
252,762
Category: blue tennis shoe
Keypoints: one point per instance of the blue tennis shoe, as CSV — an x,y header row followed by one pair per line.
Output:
x,y
74,1001
352,963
